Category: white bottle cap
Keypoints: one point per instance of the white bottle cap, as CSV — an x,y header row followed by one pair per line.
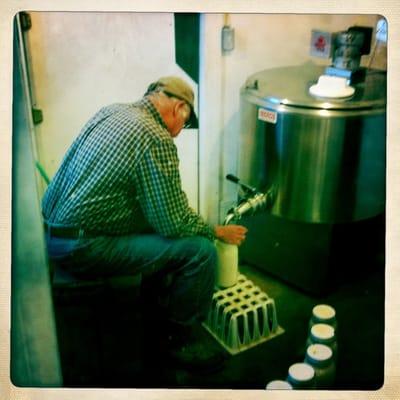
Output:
x,y
278,385
324,312
301,372
323,331
319,352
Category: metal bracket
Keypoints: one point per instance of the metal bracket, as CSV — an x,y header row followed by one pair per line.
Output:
x,y
26,22
37,116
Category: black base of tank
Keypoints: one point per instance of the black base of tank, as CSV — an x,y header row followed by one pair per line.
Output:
x,y
313,257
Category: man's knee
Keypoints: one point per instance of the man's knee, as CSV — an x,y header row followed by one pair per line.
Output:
x,y
202,249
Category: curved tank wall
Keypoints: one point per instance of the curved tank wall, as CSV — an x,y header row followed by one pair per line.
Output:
x,y
324,160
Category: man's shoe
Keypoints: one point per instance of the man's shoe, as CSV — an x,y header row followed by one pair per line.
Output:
x,y
194,348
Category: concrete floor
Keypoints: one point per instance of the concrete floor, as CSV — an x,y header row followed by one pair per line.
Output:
x,y
102,343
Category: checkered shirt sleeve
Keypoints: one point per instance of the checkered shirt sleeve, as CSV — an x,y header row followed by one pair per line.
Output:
x,y
161,197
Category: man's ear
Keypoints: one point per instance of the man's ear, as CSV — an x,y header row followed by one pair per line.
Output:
x,y
183,111
176,108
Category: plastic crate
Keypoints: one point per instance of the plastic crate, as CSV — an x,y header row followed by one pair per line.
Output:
x,y
242,316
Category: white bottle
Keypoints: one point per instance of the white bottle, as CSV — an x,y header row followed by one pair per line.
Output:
x,y
227,268
279,385
319,357
323,314
323,334
301,376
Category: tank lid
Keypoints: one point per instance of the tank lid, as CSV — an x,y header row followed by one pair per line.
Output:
x,y
290,86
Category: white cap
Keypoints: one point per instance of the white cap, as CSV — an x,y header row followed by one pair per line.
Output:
x,y
324,311
323,331
279,385
319,352
332,87
301,372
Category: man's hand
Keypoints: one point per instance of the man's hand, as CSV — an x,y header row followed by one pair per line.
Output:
x,y
232,234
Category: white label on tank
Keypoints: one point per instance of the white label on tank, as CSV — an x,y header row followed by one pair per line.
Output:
x,y
267,115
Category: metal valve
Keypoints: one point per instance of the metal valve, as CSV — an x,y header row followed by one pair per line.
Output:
x,y
255,201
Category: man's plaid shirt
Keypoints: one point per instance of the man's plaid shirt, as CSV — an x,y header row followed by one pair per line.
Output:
x,y
122,166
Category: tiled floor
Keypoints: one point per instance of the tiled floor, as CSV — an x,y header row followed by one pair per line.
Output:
x,y
102,342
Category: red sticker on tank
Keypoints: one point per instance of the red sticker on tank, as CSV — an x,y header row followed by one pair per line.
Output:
x,y
267,115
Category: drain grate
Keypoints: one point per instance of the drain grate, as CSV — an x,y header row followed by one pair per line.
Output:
x,y
242,316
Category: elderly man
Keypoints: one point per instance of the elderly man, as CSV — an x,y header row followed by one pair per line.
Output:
x,y
116,207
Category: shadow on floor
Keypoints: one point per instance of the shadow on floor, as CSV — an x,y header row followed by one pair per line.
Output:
x,y
102,343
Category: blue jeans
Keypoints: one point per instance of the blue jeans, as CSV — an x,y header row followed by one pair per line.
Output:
x,y
191,261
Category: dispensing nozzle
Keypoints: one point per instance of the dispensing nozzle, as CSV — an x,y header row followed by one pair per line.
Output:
x,y
253,202
229,217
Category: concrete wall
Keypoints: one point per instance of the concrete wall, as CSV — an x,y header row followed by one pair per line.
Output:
x,y
83,61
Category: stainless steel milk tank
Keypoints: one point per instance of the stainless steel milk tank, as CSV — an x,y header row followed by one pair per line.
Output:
x,y
324,159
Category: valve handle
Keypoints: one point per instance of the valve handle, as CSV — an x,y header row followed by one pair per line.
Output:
x,y
232,178
244,186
